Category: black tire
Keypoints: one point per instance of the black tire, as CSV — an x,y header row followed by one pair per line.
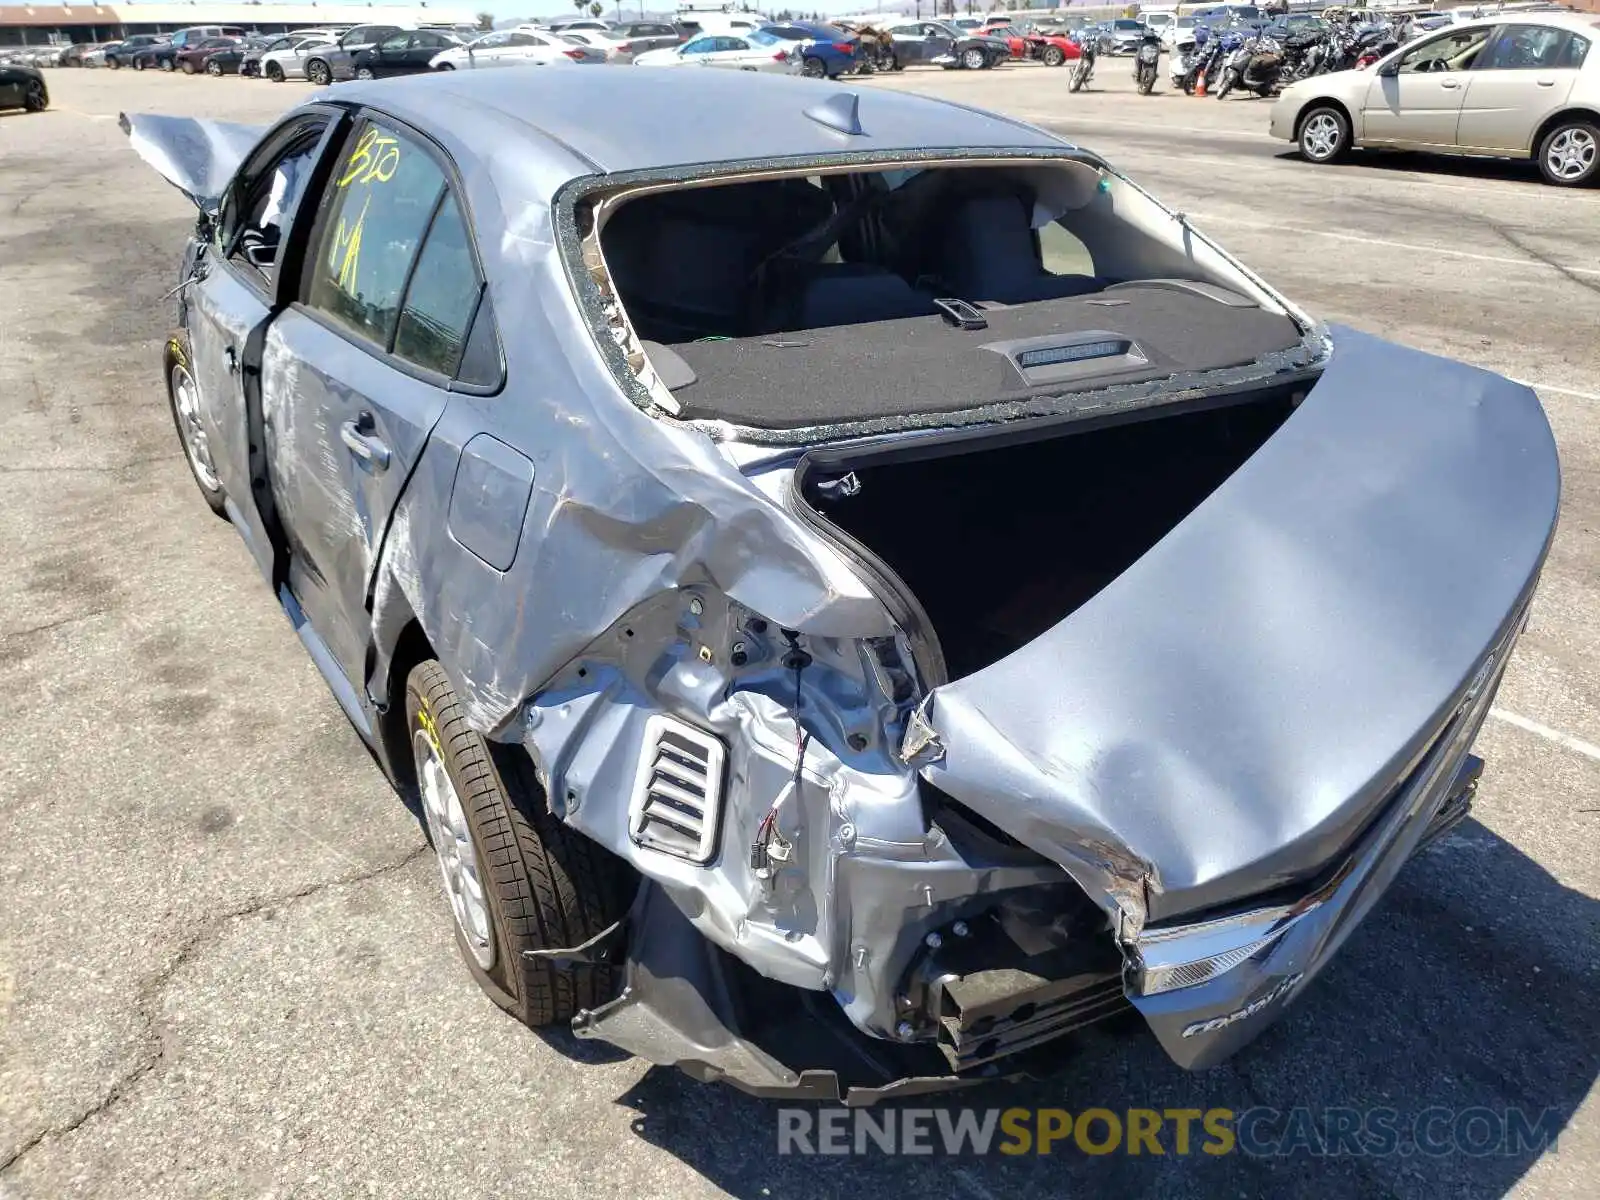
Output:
x,y
1078,80
1052,56
1569,153
138,64
813,68
214,69
1224,87
365,73
1147,84
113,65
35,99
974,59
319,73
274,72
547,886
452,67
1324,135
178,360
188,67
166,65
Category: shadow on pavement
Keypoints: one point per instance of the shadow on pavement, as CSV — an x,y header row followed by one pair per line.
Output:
x,y
1443,166
1471,987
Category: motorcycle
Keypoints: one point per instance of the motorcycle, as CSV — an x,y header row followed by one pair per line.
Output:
x,y
1256,66
1145,59
1083,69
1184,66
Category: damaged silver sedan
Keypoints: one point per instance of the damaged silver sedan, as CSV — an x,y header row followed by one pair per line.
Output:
x,y
859,592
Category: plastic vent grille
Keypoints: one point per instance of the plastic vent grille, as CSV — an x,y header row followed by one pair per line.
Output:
x,y
677,795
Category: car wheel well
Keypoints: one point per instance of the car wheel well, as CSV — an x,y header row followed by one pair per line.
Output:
x,y
1312,106
1566,114
412,648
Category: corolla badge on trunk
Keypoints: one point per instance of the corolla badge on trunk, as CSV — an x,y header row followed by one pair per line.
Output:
x,y
1278,992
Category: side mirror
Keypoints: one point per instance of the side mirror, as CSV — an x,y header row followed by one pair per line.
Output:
x,y
1389,70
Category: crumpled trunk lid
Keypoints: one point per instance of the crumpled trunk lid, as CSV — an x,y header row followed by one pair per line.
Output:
x,y
1231,712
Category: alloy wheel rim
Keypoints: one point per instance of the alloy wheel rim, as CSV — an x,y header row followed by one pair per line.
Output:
x,y
974,59
1321,136
452,845
1571,154
186,400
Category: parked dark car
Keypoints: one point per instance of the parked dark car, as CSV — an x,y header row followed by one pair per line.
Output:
x,y
646,35
936,43
408,52
192,60
158,57
338,60
830,51
122,55
246,60
23,87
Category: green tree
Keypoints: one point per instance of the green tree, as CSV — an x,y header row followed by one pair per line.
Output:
x,y
596,8
486,21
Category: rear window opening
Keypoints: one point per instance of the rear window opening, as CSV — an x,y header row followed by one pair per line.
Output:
x,y
791,300
998,543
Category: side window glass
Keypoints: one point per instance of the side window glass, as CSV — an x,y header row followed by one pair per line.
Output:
x,y
259,206
1523,48
442,297
1577,49
1063,252
381,197
397,42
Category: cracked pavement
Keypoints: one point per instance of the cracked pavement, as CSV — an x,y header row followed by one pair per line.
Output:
x,y
225,966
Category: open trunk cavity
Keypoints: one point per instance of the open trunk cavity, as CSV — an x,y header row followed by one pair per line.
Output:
x,y
1000,542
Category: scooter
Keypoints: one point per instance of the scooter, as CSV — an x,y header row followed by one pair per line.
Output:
x,y
1256,66
1145,59
1184,66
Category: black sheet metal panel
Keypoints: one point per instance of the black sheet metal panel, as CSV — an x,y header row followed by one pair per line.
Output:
x,y
925,364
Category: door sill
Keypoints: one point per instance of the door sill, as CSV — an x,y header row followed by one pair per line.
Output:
x,y
325,662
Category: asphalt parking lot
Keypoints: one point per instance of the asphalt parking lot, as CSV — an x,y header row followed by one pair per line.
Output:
x,y
225,966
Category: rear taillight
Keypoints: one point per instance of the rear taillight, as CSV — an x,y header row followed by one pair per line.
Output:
x,y
625,48
781,56
573,53
845,47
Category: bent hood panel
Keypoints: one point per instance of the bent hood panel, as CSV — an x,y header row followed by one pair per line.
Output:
x,y
196,156
1228,713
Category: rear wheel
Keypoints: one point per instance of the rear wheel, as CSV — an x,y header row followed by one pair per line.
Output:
x,y
188,67
812,68
35,99
516,878
1053,56
113,65
213,68
364,73
183,394
319,73
1324,135
273,72
138,64
166,65
974,59
1569,155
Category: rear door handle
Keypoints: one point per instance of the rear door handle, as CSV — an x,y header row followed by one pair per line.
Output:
x,y
359,439
1449,83
1545,82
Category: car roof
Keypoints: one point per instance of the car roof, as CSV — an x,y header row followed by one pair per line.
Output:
x,y
625,120
1584,23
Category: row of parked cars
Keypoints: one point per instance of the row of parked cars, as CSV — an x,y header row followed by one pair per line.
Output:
x,y
324,55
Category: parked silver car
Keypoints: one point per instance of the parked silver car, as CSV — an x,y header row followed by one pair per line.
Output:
x,y
850,612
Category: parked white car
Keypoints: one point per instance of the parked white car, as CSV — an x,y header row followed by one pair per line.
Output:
x,y
514,48
290,62
1526,85
757,51
601,43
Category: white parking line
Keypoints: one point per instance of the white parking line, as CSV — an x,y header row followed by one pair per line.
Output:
x,y
1565,740
1560,391
1364,240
